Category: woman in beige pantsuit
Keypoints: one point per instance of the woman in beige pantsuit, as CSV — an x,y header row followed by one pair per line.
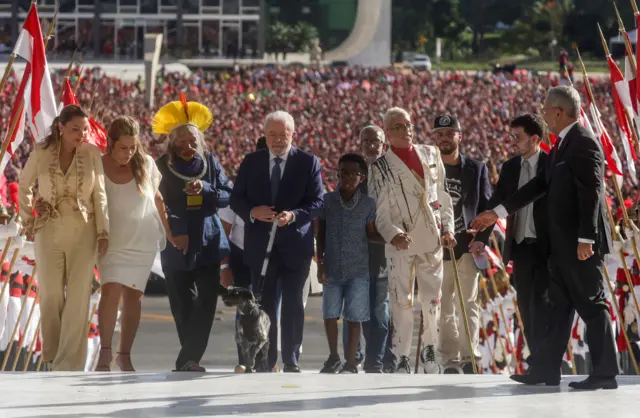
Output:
x,y
70,230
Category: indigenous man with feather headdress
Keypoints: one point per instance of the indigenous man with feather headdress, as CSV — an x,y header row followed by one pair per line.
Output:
x,y
194,186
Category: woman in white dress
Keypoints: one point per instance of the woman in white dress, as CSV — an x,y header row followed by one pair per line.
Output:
x,y
138,231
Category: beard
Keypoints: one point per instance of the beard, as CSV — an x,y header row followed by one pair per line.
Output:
x,y
447,149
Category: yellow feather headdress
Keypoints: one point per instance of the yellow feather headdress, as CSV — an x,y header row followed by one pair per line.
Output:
x,y
179,113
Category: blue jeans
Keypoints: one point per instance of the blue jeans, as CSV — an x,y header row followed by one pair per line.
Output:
x,y
347,299
376,330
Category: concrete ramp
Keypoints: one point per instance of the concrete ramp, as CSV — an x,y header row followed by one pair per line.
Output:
x,y
369,43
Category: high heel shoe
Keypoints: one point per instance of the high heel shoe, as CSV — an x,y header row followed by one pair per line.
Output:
x,y
104,360
124,362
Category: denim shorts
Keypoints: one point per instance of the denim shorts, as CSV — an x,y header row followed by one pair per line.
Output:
x,y
346,298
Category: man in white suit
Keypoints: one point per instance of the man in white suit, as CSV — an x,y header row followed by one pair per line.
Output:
x,y
415,217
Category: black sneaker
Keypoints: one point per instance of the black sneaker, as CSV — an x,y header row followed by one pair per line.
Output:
x,y
349,368
332,365
372,369
404,366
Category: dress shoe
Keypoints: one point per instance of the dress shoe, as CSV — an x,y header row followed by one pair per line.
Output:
x,y
532,379
291,368
594,383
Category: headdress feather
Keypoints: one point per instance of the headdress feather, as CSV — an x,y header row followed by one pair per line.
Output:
x,y
178,113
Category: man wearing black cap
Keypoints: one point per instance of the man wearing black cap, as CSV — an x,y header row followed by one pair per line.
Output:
x,y
468,185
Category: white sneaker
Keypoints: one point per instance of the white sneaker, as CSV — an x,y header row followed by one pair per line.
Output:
x,y
429,362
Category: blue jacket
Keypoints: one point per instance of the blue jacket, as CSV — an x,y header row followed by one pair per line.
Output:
x,y
208,243
300,192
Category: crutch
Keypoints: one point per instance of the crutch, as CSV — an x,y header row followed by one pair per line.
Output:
x,y
463,309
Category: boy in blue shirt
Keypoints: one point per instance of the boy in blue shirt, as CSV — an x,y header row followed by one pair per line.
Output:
x,y
345,227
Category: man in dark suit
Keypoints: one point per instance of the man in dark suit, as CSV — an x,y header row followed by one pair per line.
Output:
x,y
470,191
280,184
527,237
579,236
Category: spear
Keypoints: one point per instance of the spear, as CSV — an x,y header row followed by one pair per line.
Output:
x,y
66,76
627,44
14,124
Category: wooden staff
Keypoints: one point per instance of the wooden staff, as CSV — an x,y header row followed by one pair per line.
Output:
x,y
574,370
75,89
15,329
14,258
7,71
39,362
93,96
486,340
627,44
66,77
20,107
24,334
3,257
419,342
463,310
32,345
504,349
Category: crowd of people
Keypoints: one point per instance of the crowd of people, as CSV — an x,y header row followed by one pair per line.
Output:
x,y
323,112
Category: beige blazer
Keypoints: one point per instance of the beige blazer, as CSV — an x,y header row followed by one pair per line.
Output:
x,y
91,199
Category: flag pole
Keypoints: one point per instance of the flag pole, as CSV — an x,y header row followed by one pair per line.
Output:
x,y
7,71
627,44
26,327
497,328
66,76
12,128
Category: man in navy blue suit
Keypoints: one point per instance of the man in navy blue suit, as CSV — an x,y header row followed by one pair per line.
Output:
x,y
280,184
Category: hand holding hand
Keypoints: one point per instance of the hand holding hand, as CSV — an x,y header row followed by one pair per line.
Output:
x,y
103,246
284,218
181,242
484,220
449,240
40,206
401,241
193,188
585,251
263,213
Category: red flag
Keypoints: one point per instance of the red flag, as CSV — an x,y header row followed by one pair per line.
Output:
x,y
630,77
97,134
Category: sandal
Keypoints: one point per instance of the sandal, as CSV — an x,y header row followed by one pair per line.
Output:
x,y
104,360
124,362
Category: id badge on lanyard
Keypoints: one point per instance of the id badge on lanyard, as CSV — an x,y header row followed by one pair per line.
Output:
x,y
193,202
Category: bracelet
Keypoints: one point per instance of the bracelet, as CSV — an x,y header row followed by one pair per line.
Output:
x,y
224,267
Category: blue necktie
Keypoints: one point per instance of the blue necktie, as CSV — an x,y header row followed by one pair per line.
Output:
x,y
275,178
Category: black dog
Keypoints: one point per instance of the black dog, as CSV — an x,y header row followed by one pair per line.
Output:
x,y
252,333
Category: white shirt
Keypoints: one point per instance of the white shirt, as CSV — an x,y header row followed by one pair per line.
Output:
x,y
272,164
237,226
502,213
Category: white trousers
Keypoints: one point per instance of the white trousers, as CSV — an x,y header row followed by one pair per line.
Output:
x,y
401,279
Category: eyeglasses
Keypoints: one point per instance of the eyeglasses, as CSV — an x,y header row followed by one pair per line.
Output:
x,y
350,174
407,127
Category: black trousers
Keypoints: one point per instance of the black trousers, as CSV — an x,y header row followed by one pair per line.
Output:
x,y
283,287
578,286
193,309
531,278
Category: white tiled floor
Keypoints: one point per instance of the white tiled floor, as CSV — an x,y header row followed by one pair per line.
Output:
x,y
217,394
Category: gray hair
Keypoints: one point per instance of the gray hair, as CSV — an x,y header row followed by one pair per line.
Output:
x,y
282,116
391,113
201,146
566,98
374,128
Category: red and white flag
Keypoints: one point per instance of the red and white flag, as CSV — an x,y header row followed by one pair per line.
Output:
x,y
630,78
36,90
622,105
